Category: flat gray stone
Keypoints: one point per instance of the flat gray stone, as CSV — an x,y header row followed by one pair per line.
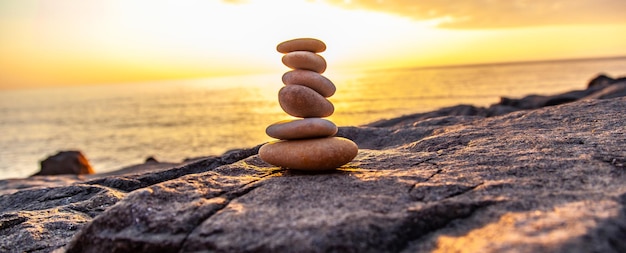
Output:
x,y
309,154
301,44
301,129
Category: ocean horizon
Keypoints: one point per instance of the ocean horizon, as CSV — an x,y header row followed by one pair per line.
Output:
x,y
121,125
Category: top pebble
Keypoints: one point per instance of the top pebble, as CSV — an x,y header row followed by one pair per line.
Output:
x,y
302,44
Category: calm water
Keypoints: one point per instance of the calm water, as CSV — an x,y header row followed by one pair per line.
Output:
x,y
121,125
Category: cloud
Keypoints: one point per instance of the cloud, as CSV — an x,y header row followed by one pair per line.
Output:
x,y
477,14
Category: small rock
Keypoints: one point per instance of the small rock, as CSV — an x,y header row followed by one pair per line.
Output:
x,y
311,79
601,80
65,162
309,154
301,44
305,60
301,129
151,159
303,102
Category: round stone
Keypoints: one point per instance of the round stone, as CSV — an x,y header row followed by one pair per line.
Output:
x,y
310,79
301,44
305,60
303,102
309,154
301,129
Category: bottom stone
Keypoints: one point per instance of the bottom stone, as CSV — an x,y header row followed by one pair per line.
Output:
x,y
309,154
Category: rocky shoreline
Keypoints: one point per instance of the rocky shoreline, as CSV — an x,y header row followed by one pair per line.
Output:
x,y
537,174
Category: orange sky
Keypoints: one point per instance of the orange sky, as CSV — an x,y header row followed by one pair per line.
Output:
x,y
69,42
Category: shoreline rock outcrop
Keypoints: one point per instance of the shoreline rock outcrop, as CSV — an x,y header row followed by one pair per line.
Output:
x,y
551,179
600,87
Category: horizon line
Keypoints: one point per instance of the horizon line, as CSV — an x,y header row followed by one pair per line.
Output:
x,y
496,63
410,68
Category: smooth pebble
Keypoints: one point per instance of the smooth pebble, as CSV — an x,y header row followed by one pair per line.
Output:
x,y
301,129
305,60
301,44
303,102
309,154
311,79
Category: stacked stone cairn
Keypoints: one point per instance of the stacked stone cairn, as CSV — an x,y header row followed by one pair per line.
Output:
x,y
307,143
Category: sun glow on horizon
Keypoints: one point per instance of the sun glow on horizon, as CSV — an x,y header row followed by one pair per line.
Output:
x,y
68,42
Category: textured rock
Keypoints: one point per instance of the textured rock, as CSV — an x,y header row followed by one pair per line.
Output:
x,y
301,129
42,213
305,60
40,219
303,102
600,87
310,79
65,162
548,180
545,180
301,44
309,154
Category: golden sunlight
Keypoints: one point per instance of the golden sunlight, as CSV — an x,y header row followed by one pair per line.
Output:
x,y
80,42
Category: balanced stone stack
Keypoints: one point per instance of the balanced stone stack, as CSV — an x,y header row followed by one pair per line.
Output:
x,y
306,143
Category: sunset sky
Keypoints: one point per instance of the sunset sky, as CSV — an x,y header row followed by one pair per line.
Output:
x,y
71,42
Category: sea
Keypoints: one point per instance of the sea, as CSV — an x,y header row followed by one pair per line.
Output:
x,y
120,125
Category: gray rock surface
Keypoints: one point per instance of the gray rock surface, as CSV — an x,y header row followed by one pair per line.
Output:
x,y
545,180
